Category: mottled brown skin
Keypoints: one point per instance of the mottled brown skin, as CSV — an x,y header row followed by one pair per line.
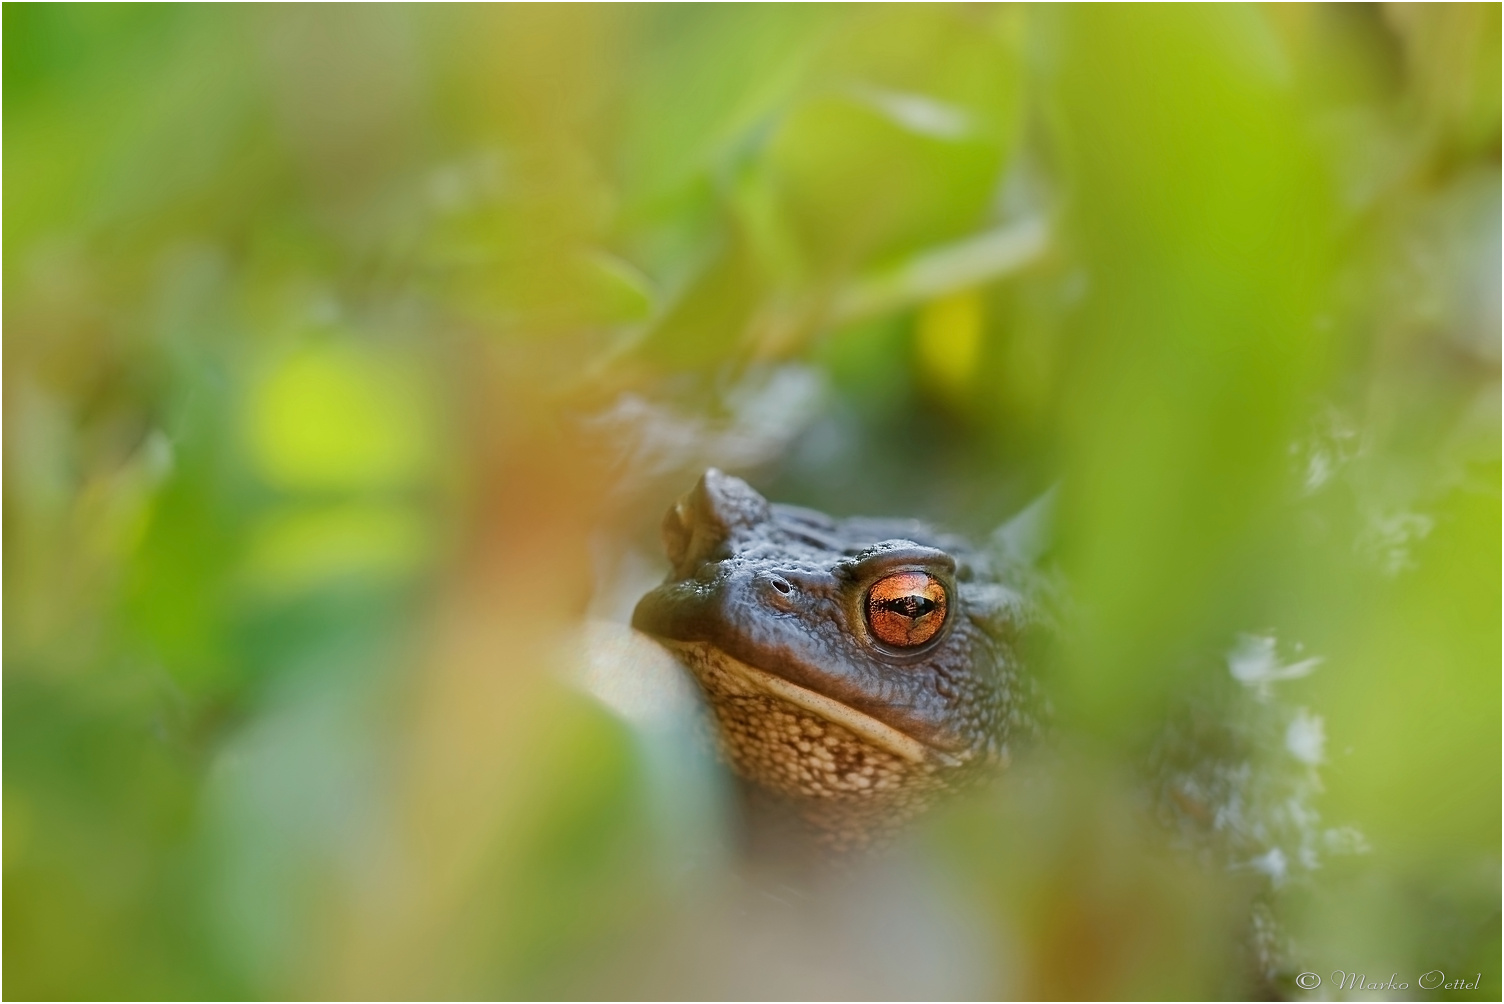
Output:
x,y
857,668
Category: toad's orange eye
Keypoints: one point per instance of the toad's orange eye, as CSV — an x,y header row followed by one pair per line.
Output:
x,y
906,609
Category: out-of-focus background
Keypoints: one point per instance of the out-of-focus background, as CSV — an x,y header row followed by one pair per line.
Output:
x,y
352,354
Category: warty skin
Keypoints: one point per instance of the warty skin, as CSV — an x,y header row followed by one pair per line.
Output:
x,y
781,614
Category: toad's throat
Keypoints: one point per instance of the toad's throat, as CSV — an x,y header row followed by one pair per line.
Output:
x,y
864,726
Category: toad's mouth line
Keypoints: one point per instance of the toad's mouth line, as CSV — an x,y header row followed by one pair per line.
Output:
x,y
864,726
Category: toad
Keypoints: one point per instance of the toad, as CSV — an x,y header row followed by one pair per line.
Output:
x,y
857,668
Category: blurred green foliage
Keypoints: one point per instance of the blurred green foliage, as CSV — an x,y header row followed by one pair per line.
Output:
x,y
353,352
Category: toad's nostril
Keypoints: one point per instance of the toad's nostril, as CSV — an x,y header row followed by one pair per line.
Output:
x,y
782,585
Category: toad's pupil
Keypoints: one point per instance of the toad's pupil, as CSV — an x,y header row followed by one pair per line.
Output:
x,y
906,609
909,606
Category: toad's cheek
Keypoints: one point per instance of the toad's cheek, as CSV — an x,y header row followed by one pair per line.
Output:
x,y
726,678
802,663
